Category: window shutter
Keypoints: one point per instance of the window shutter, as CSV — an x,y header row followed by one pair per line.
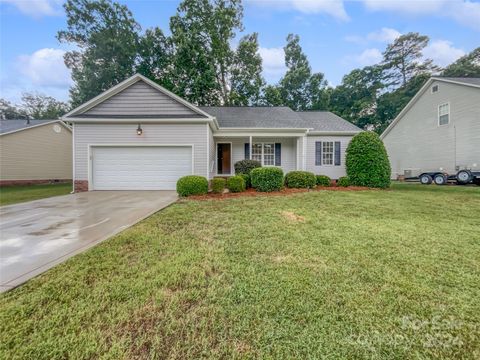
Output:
x,y
247,151
278,154
318,153
337,153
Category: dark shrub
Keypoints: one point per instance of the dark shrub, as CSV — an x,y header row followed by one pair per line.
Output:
x,y
236,184
300,179
267,179
192,185
218,185
367,161
323,180
343,181
245,166
246,178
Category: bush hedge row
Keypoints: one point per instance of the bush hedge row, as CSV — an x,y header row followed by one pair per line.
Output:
x,y
267,179
218,185
246,166
236,184
323,180
192,185
300,180
343,181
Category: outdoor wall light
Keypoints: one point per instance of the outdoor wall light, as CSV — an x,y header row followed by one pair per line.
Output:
x,y
139,130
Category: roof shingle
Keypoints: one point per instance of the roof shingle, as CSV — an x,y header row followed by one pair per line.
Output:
x,y
7,126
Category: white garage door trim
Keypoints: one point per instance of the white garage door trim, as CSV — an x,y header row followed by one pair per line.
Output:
x,y
90,158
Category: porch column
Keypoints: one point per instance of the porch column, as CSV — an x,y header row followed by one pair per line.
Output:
x,y
250,152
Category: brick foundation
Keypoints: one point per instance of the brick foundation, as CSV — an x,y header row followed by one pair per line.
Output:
x,y
32,182
81,185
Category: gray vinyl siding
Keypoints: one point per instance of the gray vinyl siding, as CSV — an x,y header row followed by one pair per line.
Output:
x,y
86,134
140,99
38,153
333,171
289,150
417,141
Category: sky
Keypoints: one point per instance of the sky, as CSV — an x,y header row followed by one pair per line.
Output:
x,y
337,35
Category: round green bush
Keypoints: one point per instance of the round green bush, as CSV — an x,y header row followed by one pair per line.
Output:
x,y
300,180
267,179
367,161
246,177
218,185
343,181
236,184
192,185
246,166
323,180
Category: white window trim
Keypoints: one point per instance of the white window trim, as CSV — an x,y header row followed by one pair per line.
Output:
x,y
263,152
333,154
438,112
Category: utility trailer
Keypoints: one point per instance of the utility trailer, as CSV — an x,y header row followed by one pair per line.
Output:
x,y
462,177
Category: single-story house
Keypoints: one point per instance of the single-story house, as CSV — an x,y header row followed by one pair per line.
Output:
x,y
138,135
438,130
35,151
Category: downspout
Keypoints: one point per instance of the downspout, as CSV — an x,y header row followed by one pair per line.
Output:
x,y
73,158
250,145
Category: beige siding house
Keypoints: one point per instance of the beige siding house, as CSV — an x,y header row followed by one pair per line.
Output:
x,y
35,151
139,136
439,130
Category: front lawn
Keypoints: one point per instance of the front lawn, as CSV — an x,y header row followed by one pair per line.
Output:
x,y
21,193
369,274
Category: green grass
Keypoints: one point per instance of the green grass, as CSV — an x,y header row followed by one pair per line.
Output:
x,y
21,193
373,274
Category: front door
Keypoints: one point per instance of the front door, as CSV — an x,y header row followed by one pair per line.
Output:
x,y
224,159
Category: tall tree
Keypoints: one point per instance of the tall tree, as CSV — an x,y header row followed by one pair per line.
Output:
x,y
105,36
207,69
9,111
355,99
466,66
39,106
403,59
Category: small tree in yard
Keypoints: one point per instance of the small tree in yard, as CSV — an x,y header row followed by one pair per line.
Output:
x,y
367,161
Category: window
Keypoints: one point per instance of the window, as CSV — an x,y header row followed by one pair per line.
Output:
x,y
434,88
264,152
327,152
443,114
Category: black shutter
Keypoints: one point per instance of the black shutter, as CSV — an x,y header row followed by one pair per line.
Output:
x,y
337,153
278,154
247,151
318,153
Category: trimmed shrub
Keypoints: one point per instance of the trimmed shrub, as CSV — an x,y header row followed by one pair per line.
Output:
x,y
300,179
246,166
246,178
267,179
236,184
323,180
344,181
218,185
367,161
192,185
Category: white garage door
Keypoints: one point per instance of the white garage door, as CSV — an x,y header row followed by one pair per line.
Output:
x,y
140,168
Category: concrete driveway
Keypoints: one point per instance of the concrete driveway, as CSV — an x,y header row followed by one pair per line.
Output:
x,y
38,235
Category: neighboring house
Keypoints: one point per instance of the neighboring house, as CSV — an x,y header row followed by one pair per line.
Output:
x,y
35,151
439,129
137,135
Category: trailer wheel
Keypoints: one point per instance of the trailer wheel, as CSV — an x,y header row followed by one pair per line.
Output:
x,y
440,179
425,179
464,177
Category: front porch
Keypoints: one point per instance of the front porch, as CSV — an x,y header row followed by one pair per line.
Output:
x,y
285,152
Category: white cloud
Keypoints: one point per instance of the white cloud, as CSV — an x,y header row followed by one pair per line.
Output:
x,y
442,52
45,68
36,8
384,35
273,60
368,57
465,12
334,8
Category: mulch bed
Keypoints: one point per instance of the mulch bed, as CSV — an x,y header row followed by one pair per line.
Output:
x,y
285,191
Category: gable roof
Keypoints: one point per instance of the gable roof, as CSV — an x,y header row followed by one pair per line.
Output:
x,y
14,125
278,117
472,82
148,101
